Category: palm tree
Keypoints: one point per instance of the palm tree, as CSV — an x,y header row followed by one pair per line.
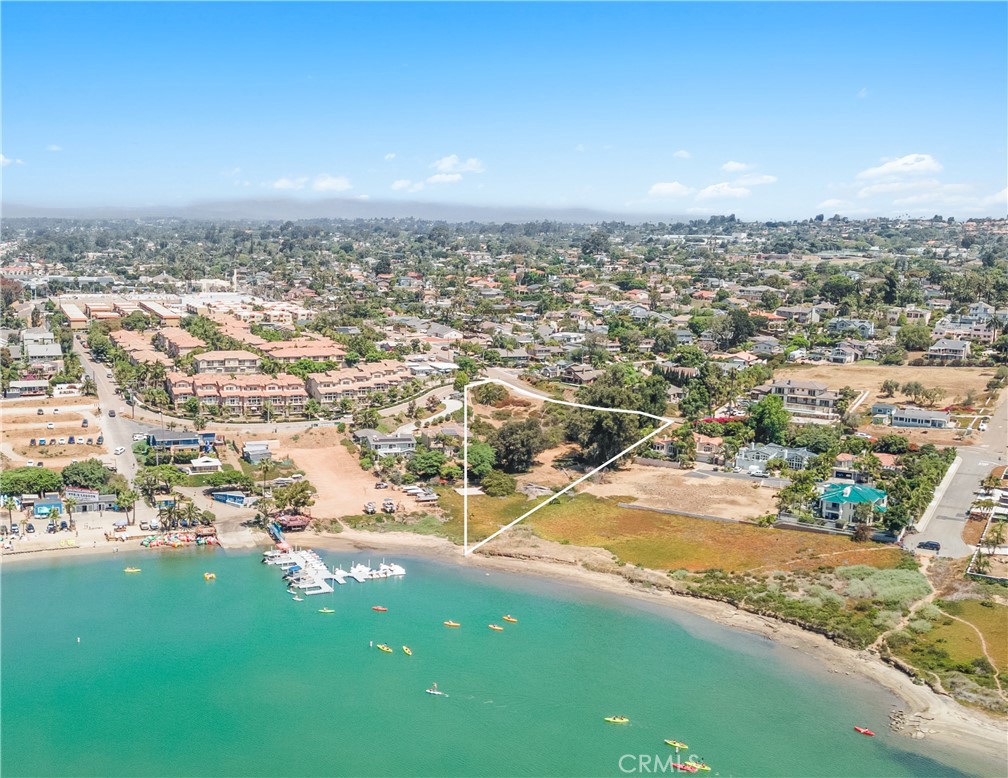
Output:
x,y
10,505
997,533
54,515
127,500
199,422
70,503
191,513
264,468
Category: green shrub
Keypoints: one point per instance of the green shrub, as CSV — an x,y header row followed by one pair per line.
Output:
x,y
887,619
920,626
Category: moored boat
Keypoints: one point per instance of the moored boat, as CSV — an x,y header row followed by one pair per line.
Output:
x,y
617,719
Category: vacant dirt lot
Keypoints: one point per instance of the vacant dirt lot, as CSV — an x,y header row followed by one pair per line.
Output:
x,y
687,490
956,381
343,488
19,424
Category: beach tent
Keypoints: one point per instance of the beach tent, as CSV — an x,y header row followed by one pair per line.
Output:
x,y
120,523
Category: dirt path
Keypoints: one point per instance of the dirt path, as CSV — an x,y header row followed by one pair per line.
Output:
x,y
983,645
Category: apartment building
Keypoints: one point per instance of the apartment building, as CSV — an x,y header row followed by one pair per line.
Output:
x,y
176,342
240,395
316,349
809,398
361,380
230,362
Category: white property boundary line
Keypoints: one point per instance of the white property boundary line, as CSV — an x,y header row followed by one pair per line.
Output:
x,y
466,551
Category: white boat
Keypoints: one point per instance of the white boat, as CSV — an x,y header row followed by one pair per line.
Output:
x,y
435,691
297,599
390,570
360,573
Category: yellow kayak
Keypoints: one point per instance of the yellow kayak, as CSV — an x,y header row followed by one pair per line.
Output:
x,y
452,624
132,570
383,647
406,650
326,610
617,719
511,619
698,766
496,627
676,744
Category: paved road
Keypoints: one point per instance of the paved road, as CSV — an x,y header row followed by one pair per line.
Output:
x,y
947,522
511,377
450,407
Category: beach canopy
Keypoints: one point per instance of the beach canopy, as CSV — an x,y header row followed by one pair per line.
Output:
x,y
120,523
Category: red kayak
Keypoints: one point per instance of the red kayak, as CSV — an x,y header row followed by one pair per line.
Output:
x,y
685,767
379,608
864,731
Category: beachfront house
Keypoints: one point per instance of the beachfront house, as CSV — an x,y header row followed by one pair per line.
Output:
x,y
90,500
174,440
383,445
754,457
838,503
235,498
256,451
918,417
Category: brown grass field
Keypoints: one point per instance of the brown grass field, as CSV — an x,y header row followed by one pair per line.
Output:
x,y
664,541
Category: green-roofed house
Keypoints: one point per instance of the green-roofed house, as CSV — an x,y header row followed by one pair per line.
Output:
x,y
839,502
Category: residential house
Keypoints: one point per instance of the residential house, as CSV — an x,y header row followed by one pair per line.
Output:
x,y
918,417
176,342
766,346
27,388
810,398
863,327
709,449
383,445
754,457
838,502
256,451
799,314
174,440
946,349
582,375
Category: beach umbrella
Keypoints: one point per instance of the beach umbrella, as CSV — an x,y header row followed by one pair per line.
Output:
x,y
120,523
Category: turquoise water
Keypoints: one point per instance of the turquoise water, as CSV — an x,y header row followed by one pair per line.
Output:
x,y
175,675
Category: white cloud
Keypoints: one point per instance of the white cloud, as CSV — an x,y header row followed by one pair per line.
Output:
x,y
911,164
1001,198
896,187
682,154
362,197
390,155
5,161
579,148
234,171
53,147
669,189
862,92
328,183
833,202
755,180
722,190
290,183
444,178
452,164
402,183
731,166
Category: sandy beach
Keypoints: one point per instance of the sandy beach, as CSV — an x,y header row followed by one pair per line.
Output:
x,y
927,714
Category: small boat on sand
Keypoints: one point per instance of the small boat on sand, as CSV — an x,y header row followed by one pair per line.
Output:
x,y
452,624
385,648
510,619
617,719
132,570
407,651
864,731
496,627
379,608
676,744
326,610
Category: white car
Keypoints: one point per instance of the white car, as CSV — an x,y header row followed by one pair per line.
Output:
x,y
983,426
119,450
30,463
55,410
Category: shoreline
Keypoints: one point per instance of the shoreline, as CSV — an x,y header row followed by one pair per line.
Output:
x,y
929,715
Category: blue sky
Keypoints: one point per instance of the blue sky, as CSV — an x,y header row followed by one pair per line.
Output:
x,y
763,110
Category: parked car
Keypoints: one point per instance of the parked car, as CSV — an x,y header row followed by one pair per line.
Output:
x,y
71,440
32,442
52,441
30,528
50,426
90,441
930,545
15,529
101,439
41,441
84,423
40,463
62,441
144,526
30,463
137,436
41,412
370,508
64,527
983,426
381,485
111,413
108,373
155,526
119,450
51,527
55,410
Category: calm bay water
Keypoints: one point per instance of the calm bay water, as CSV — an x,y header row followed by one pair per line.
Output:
x,y
175,675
